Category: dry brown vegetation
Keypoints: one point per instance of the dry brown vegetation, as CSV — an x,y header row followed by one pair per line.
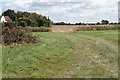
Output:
x,y
70,28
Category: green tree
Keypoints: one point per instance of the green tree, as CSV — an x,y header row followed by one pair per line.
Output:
x,y
19,14
105,22
41,22
10,13
27,20
98,23
22,23
78,23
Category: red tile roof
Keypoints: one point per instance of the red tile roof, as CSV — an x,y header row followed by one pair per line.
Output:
x,y
7,18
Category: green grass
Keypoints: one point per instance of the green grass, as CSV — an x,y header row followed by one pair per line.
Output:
x,y
0,63
83,54
110,35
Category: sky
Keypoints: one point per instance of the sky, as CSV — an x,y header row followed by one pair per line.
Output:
x,y
87,11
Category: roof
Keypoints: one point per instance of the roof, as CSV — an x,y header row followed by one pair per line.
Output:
x,y
7,18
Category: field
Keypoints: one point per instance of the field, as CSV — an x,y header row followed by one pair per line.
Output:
x,y
80,54
70,28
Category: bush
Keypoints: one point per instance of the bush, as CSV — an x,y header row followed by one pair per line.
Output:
x,y
22,23
10,24
17,35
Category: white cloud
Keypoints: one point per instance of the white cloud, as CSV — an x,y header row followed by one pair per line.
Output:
x,y
68,10
0,7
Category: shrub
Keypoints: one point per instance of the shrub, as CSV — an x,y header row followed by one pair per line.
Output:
x,y
10,24
22,23
17,35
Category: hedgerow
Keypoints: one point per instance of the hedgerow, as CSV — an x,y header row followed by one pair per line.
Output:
x,y
97,28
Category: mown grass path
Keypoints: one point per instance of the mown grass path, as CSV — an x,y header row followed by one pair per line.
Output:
x,y
89,54
91,58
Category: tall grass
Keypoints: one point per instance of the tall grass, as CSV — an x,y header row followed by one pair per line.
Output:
x,y
94,28
38,29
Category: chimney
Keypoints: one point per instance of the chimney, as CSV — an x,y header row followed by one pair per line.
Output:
x,y
2,14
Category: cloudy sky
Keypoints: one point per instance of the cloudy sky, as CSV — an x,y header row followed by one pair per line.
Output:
x,y
73,11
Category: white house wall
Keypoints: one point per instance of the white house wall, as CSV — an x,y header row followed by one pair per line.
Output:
x,y
3,19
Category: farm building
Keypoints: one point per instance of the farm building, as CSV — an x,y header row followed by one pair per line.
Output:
x,y
5,19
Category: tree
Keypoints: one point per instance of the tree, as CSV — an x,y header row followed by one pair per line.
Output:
x,y
27,20
78,23
44,22
19,14
22,23
10,13
32,19
105,22
98,23
40,22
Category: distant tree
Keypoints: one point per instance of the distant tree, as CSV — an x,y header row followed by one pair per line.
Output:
x,y
111,23
78,23
98,23
62,23
105,22
10,13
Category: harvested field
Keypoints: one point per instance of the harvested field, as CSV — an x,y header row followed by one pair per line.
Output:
x,y
70,28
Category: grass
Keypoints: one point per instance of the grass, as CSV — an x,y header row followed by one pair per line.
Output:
x,y
110,35
82,54
0,63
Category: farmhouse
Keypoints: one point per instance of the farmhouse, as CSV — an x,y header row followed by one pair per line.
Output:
x,y
5,19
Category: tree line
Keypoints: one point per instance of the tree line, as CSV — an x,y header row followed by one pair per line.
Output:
x,y
103,22
24,19
28,19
